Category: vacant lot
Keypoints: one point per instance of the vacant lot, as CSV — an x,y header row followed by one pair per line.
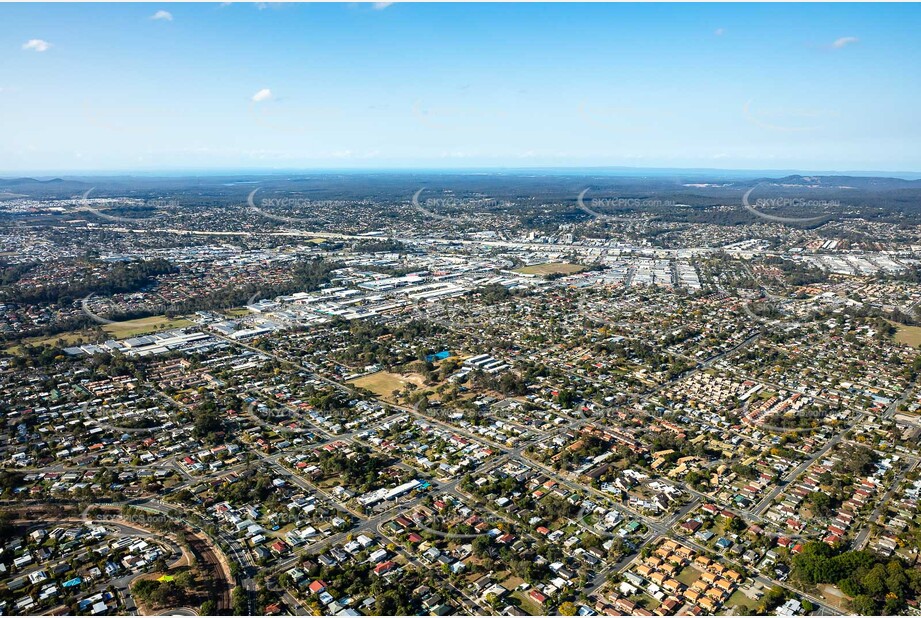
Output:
x,y
120,330
383,383
742,603
551,269
835,598
688,576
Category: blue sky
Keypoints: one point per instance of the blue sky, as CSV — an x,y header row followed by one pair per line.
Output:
x,y
102,87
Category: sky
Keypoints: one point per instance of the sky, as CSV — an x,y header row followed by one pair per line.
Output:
x,y
172,87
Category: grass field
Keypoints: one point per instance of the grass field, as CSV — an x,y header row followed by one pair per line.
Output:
x,y
909,335
118,330
130,328
383,383
237,312
550,269
67,338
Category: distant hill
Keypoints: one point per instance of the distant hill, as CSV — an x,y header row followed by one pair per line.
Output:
x,y
50,188
22,181
864,183
877,195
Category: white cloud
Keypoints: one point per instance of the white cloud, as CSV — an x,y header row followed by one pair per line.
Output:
x,y
380,6
263,95
162,16
719,31
845,41
36,45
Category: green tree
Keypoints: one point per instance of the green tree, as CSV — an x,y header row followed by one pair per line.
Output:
x,y
567,608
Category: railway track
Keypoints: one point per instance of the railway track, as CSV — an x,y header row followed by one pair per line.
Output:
x,y
206,555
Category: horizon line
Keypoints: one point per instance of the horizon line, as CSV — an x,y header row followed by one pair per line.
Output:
x,y
578,170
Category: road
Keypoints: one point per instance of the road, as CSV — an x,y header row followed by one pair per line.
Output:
x,y
794,474
862,536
